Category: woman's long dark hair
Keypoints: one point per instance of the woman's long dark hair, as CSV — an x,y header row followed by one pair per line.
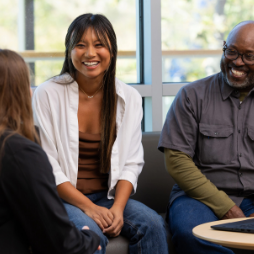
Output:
x,y
16,114
105,32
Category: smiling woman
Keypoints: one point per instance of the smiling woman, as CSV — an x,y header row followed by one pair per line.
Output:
x,y
92,37
91,58
90,126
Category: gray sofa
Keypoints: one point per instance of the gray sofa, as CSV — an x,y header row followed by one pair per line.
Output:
x,y
154,186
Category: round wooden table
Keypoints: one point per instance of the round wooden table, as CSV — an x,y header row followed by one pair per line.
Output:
x,y
225,238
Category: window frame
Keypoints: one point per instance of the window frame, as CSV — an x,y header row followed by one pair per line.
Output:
x,y
149,61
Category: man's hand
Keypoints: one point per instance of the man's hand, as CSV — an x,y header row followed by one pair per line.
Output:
x,y
115,229
101,215
234,212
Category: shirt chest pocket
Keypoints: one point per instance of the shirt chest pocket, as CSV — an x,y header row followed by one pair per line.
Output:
x,y
215,143
249,142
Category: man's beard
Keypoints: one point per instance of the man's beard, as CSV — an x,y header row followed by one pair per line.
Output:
x,y
247,82
235,84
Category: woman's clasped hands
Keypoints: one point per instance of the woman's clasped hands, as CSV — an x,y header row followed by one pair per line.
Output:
x,y
115,229
110,220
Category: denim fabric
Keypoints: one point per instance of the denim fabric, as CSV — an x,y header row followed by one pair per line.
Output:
x,y
144,228
186,213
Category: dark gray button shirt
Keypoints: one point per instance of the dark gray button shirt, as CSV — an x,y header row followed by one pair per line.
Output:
x,y
208,122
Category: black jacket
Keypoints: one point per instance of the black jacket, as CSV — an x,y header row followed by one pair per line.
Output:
x,y
32,216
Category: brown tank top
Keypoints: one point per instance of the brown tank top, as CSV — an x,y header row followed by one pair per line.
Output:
x,y
90,180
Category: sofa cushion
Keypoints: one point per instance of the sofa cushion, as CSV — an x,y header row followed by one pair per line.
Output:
x,y
118,245
154,183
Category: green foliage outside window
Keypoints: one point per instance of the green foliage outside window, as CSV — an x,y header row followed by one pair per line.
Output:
x,y
186,24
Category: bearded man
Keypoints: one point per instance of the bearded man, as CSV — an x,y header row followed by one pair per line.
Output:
x,y
208,143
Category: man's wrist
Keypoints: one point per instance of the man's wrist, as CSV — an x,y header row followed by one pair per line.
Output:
x,y
234,212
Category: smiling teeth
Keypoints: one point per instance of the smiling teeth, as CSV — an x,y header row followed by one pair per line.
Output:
x,y
238,73
90,63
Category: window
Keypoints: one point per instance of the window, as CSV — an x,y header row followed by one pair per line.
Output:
x,y
40,26
193,32
162,44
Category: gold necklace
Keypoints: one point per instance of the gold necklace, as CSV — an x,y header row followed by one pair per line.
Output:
x,y
90,97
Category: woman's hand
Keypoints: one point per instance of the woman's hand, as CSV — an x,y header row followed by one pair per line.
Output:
x,y
115,229
101,215
123,191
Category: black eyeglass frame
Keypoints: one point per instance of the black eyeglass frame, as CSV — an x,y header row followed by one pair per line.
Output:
x,y
242,55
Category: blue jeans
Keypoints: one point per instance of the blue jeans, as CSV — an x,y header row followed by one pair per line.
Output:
x,y
144,228
185,213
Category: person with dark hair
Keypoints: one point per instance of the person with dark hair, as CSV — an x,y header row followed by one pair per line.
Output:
x,y
32,216
90,125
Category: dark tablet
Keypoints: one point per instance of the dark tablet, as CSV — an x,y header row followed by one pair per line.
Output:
x,y
245,226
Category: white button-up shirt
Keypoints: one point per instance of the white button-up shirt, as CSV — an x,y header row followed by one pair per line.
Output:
x,y
55,108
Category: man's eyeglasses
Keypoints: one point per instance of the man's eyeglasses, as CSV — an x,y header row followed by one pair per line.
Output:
x,y
233,55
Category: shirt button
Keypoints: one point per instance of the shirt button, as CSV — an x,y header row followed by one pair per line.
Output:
x,y
215,133
240,174
114,169
240,155
239,131
239,107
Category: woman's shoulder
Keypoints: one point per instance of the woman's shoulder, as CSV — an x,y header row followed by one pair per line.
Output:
x,y
14,143
127,91
24,159
54,85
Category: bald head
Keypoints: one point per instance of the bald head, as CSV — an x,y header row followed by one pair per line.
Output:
x,y
245,28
